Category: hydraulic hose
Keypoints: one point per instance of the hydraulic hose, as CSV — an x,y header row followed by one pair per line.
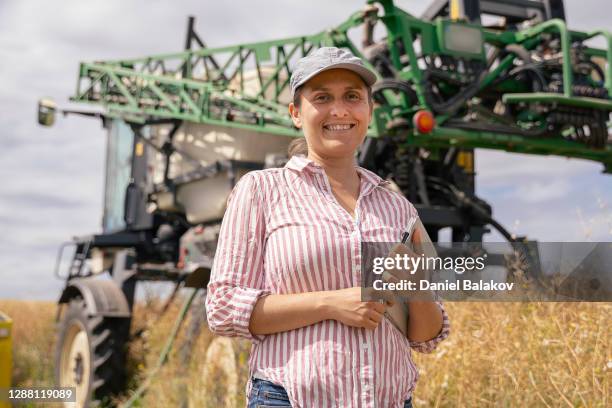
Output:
x,y
463,200
457,101
393,84
539,82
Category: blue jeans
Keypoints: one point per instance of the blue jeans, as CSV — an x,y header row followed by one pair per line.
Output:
x,y
266,394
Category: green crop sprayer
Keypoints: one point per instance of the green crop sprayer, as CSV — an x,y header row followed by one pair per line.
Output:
x,y
183,127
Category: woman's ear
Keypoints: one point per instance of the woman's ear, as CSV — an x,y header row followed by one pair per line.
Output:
x,y
294,111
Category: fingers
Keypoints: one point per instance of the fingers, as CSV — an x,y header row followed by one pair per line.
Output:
x,y
376,306
370,324
375,316
369,314
371,319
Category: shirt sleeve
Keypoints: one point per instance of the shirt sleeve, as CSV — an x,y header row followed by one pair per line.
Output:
x,y
430,345
237,276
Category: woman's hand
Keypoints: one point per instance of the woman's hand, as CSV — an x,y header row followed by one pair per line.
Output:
x,y
346,306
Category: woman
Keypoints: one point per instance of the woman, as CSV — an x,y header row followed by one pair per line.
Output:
x,y
287,270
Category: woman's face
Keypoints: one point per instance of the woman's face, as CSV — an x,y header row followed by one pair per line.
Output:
x,y
334,113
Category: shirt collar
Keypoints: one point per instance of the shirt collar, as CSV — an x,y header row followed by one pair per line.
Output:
x,y
301,163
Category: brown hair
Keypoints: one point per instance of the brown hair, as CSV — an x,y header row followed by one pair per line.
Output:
x,y
299,145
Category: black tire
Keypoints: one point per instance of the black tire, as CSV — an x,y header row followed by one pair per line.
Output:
x,y
90,354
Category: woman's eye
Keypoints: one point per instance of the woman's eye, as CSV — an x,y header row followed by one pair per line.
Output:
x,y
321,98
353,97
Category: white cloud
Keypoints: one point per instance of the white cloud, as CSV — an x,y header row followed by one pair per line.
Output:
x,y
498,167
538,191
542,194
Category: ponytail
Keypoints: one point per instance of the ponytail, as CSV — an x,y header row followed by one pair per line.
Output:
x,y
298,146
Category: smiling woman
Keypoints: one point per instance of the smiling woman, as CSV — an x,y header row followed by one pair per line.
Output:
x,y
334,111
287,271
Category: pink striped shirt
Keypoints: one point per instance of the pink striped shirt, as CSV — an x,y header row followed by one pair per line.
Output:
x,y
284,232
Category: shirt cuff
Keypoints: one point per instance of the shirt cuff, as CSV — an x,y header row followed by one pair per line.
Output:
x,y
430,345
247,298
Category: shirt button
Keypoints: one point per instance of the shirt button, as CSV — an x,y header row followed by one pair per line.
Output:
x,y
366,346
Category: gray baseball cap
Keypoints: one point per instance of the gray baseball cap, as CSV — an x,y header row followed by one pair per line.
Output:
x,y
326,58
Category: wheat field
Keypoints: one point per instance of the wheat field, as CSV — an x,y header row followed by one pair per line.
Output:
x,y
498,355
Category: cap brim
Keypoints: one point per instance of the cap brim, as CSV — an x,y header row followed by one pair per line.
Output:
x,y
368,76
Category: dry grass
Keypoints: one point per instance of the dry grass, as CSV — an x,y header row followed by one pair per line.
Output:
x,y
181,381
520,354
498,355
33,338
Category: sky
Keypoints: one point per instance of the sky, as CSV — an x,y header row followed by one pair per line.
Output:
x,y
52,179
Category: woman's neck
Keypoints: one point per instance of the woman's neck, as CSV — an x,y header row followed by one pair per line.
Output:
x,y
339,171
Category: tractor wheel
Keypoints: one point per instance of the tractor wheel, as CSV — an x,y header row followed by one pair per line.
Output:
x,y
90,355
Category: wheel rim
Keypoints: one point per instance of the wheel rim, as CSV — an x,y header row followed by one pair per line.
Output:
x,y
75,362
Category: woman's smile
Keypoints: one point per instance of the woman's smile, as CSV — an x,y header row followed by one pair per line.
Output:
x,y
339,127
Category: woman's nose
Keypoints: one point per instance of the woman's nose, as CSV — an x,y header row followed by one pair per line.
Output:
x,y
339,109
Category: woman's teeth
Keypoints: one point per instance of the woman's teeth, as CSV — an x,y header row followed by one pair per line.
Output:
x,y
338,127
